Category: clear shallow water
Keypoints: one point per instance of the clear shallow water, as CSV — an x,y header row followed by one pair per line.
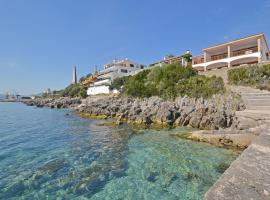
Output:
x,y
45,154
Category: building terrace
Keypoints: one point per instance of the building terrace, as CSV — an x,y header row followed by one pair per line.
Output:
x,y
248,50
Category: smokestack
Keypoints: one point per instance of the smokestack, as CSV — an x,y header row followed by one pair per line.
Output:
x,y
74,76
95,70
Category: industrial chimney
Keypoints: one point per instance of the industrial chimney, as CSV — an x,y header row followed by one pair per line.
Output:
x,y
95,70
74,75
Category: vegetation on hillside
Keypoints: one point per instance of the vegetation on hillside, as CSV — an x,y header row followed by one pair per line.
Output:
x,y
254,75
118,83
169,82
74,90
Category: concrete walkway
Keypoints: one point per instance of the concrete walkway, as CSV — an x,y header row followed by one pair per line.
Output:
x,y
248,177
257,104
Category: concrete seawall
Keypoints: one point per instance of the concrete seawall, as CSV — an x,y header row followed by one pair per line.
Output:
x,y
248,177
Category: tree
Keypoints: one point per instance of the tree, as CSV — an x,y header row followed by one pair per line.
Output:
x,y
118,83
171,81
188,57
75,90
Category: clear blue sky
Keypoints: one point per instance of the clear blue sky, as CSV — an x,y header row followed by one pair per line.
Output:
x,y
41,40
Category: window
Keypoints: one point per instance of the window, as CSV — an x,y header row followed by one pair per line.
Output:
x,y
142,66
131,65
124,70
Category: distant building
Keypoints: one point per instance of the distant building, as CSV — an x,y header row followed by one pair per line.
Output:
x,y
74,75
47,91
248,50
111,71
171,59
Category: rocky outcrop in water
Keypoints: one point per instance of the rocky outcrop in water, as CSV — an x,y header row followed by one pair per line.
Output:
x,y
62,102
217,112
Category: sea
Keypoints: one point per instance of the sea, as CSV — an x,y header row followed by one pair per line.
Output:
x,y
55,154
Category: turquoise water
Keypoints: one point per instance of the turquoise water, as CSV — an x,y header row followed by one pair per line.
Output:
x,y
52,154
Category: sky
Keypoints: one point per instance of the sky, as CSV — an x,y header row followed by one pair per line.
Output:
x,y
41,40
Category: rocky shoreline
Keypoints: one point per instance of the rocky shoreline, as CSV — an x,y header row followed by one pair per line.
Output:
x,y
62,102
215,117
215,113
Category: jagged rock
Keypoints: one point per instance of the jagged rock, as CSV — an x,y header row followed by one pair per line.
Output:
x,y
217,112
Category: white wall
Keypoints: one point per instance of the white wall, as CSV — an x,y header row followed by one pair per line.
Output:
x,y
102,82
102,89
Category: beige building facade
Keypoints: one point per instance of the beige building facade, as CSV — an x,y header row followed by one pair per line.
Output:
x,y
248,50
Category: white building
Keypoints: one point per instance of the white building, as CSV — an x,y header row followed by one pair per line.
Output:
x,y
116,69
47,91
248,50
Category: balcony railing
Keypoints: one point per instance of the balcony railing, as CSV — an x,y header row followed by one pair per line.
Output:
x,y
198,60
235,53
219,56
245,51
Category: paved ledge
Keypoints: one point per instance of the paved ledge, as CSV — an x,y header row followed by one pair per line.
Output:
x,y
248,177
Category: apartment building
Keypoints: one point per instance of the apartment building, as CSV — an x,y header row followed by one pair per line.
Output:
x,y
248,50
115,69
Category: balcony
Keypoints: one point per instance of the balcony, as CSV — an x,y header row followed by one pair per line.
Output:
x,y
245,51
198,60
219,56
239,52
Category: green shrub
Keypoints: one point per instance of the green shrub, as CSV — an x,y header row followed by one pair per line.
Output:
x,y
118,83
137,85
200,86
254,75
171,81
75,90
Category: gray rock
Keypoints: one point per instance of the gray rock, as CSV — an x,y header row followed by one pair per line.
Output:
x,y
217,112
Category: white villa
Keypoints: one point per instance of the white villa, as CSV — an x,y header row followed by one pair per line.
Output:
x,y
116,69
249,50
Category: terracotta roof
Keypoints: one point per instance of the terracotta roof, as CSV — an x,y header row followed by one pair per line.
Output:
x,y
239,39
